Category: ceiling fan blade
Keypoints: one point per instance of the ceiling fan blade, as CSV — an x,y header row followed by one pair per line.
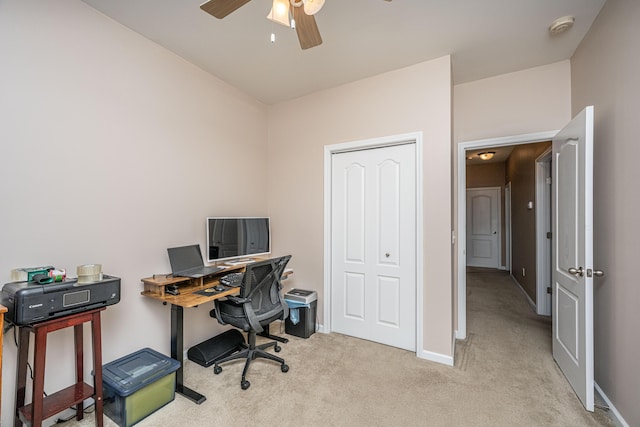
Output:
x,y
221,8
308,33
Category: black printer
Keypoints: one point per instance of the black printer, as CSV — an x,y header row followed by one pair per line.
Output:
x,y
32,302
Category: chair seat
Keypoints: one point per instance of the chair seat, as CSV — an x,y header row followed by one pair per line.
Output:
x,y
233,314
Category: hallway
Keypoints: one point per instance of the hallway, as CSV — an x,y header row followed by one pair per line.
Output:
x,y
508,347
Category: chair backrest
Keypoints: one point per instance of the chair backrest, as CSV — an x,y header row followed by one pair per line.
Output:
x,y
261,283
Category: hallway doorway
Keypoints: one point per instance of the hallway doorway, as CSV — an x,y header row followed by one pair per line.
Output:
x,y
523,268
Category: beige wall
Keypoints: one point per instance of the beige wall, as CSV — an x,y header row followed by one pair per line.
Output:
x,y
605,70
112,150
521,172
412,99
533,100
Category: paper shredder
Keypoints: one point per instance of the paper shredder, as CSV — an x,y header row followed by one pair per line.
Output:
x,y
303,322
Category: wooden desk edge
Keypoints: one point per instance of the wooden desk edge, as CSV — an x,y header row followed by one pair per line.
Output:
x,y
190,299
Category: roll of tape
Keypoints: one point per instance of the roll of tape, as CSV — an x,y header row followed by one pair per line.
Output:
x,y
89,273
88,269
90,278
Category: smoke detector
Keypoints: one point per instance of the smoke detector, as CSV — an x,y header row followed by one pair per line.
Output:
x,y
561,25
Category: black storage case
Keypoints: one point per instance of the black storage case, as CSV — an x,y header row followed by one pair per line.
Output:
x,y
307,324
223,345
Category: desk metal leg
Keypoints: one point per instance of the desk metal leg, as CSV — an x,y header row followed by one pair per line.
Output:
x,y
177,314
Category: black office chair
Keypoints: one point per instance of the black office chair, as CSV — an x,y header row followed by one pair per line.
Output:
x,y
260,303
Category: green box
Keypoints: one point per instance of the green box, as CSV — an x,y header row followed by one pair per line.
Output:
x,y
137,385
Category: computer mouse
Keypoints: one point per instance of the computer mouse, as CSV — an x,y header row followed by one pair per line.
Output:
x,y
218,288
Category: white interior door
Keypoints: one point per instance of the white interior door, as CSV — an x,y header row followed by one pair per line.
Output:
x,y
373,277
572,271
483,227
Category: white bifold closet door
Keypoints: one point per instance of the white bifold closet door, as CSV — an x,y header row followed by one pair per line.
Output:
x,y
373,250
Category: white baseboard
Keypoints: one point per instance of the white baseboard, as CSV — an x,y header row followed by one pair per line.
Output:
x,y
320,328
531,303
459,336
613,412
435,357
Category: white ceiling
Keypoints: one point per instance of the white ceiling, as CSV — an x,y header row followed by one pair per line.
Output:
x,y
361,38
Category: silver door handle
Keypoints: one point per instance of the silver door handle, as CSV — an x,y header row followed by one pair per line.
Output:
x,y
576,272
598,273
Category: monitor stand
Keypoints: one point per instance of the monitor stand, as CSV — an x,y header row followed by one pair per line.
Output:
x,y
240,261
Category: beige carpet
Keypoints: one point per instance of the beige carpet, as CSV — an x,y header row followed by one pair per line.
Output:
x,y
504,376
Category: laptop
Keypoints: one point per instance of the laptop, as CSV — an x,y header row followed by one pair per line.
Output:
x,y
186,261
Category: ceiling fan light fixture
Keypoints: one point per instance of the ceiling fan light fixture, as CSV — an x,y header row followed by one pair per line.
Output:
x,y
311,7
487,155
279,12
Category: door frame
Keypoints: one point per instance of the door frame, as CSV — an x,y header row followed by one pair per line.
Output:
x,y
507,226
387,141
461,330
543,245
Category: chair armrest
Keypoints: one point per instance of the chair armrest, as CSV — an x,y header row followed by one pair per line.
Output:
x,y
238,300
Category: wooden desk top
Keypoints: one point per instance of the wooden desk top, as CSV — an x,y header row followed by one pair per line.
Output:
x,y
155,288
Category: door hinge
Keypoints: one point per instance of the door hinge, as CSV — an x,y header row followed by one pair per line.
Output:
x,y
547,180
548,234
549,290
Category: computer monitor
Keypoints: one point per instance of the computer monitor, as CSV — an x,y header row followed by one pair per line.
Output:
x,y
237,237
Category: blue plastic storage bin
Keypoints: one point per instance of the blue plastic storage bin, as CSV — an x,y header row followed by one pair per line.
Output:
x,y
137,385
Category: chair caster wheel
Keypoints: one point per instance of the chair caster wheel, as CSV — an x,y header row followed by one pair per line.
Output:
x,y
284,368
217,370
244,384
277,348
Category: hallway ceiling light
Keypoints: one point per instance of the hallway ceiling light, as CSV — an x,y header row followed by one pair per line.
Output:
x,y
487,155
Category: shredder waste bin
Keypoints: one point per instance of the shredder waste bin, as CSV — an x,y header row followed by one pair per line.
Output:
x,y
302,312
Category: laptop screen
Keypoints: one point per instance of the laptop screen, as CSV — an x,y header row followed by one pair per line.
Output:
x,y
185,258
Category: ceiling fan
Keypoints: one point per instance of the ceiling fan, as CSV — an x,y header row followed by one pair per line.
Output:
x,y
302,10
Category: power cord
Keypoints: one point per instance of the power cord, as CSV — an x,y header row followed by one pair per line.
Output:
x,y
15,340
88,410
